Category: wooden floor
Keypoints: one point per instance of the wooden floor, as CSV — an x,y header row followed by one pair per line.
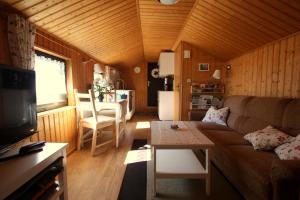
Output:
x,y
100,177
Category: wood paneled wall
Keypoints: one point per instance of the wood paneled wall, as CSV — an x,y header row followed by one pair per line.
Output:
x,y
139,83
187,69
271,70
58,125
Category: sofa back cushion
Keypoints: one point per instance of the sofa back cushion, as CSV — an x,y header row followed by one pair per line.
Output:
x,y
236,106
261,112
291,118
248,114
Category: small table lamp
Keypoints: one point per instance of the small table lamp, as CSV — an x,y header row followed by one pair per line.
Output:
x,y
217,74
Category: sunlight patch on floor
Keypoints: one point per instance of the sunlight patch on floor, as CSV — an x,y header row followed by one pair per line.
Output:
x,y
142,125
135,156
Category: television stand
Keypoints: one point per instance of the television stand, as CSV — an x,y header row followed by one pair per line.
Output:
x,y
23,170
4,149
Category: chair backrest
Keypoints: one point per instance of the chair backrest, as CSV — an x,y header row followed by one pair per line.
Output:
x,y
92,101
84,103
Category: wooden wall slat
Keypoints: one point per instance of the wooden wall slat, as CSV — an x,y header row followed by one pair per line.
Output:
x,y
52,128
289,67
269,69
296,72
275,70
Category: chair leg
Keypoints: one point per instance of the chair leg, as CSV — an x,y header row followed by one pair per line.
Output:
x,y
79,142
117,134
94,142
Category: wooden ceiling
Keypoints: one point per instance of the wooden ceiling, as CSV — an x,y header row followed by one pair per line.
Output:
x,y
228,28
125,32
108,30
161,24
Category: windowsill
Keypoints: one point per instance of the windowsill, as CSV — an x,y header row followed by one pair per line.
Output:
x,y
56,110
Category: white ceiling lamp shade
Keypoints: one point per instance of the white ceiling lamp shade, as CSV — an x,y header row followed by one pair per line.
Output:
x,y
98,69
217,74
168,2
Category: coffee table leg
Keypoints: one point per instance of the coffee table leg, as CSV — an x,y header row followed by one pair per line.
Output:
x,y
154,171
208,178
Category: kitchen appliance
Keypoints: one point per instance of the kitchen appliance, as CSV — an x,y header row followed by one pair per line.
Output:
x,y
130,96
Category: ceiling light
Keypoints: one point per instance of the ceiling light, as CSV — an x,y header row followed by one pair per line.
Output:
x,y
168,2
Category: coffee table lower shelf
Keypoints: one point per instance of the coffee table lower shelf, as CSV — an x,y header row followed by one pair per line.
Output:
x,y
180,163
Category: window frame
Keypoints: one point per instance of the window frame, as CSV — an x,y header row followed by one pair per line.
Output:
x,y
55,105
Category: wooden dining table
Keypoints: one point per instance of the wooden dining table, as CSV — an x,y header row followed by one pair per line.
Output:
x,y
110,106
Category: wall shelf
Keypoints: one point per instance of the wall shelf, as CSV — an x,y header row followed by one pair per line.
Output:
x,y
203,96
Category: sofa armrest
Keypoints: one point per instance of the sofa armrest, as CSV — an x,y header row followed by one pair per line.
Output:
x,y
285,178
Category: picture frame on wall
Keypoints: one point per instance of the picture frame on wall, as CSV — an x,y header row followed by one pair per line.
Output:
x,y
203,66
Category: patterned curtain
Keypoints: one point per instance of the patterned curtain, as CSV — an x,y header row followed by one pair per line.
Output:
x,y
21,36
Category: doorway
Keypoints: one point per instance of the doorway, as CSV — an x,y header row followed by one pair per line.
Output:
x,y
155,83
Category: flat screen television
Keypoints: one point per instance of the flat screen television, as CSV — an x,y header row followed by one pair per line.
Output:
x,y
18,117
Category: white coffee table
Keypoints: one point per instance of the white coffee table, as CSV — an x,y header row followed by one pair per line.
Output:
x,y
172,152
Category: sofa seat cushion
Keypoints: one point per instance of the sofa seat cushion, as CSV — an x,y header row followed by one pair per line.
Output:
x,y
211,126
247,169
225,137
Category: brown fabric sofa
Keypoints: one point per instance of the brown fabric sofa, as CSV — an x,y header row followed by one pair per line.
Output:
x,y
256,174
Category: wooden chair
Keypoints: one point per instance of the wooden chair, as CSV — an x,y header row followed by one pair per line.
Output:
x,y
86,102
119,111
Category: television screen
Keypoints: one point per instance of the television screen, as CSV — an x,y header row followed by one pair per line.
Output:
x,y
18,118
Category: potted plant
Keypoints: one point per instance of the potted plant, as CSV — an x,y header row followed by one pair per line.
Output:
x,y
102,87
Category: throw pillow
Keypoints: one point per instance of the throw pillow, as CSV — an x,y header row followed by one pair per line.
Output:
x,y
289,151
267,138
216,116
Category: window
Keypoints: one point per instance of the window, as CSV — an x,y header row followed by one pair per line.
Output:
x,y
51,91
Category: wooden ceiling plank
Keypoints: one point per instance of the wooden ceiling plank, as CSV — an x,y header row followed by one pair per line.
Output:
x,y
119,53
272,15
53,10
205,38
109,55
286,8
130,33
140,25
21,5
256,15
113,37
121,40
280,11
200,38
236,24
92,21
82,15
41,6
214,37
52,17
101,23
223,27
292,3
245,19
12,2
205,29
100,27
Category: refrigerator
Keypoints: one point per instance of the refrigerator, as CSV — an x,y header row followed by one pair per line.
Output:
x,y
166,105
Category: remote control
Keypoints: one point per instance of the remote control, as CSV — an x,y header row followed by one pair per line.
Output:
x,y
30,147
